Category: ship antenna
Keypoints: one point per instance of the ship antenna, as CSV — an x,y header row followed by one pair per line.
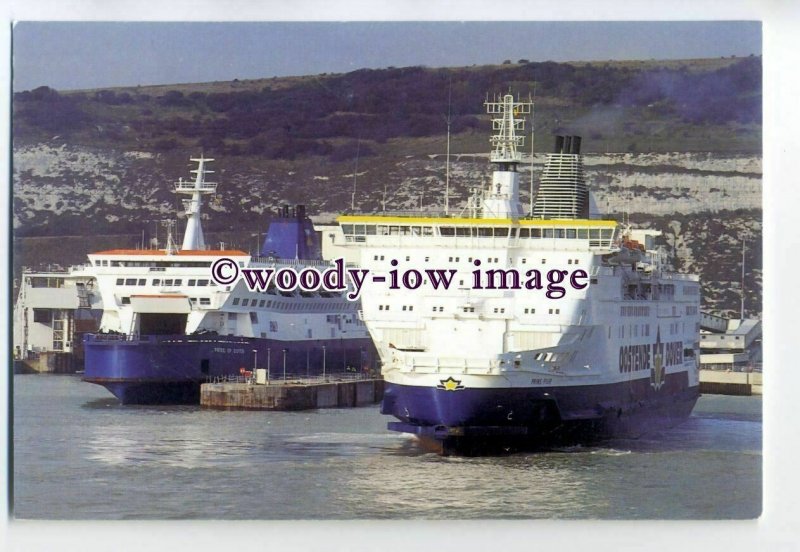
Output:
x,y
742,311
193,237
533,125
355,176
171,248
447,165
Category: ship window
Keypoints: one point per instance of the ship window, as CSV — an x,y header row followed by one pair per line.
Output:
x,y
167,282
130,281
559,233
205,301
501,232
408,258
405,230
572,233
235,300
405,307
447,231
359,230
524,233
371,230
245,302
142,281
193,299
427,231
394,230
191,283
544,261
583,234
463,231
202,282
383,230
156,282
547,233
347,229
605,233
120,281
594,233
254,318
126,300
178,282
42,316
569,261
261,303
536,232
485,232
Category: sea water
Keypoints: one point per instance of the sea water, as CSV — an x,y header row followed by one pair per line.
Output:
x,y
79,454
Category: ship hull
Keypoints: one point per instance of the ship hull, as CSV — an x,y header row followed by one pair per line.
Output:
x,y
171,369
489,420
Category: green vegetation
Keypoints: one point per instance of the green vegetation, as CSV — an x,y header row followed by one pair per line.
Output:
x,y
694,105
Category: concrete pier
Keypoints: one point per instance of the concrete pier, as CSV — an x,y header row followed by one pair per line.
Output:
x,y
300,394
715,382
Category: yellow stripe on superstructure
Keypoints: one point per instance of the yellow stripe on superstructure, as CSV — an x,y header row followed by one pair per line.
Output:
x,y
447,221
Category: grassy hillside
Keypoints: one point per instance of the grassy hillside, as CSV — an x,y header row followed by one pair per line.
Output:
x,y
692,105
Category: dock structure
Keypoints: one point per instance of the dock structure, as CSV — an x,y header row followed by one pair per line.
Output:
x,y
295,394
717,382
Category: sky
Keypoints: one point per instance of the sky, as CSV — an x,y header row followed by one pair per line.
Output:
x,y
76,55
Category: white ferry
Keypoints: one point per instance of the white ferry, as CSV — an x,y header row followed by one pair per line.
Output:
x,y
166,326
490,362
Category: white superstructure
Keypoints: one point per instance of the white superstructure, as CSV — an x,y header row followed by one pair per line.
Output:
x,y
634,323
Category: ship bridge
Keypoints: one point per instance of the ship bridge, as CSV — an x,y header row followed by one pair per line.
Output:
x,y
478,232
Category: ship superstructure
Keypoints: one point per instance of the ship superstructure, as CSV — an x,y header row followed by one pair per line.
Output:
x,y
504,362
167,326
55,307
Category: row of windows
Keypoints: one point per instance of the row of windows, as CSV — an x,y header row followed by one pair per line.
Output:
x,y
358,230
496,310
203,300
154,264
167,282
635,330
405,307
634,311
489,260
691,290
691,310
284,305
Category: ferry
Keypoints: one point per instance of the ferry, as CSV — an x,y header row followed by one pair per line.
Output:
x,y
167,327
499,365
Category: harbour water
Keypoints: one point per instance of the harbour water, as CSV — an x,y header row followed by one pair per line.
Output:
x,y
79,455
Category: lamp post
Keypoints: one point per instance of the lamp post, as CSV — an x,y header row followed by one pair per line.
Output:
x,y
268,363
323,362
255,362
284,366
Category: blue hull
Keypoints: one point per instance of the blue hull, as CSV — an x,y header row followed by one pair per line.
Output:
x,y
169,369
477,421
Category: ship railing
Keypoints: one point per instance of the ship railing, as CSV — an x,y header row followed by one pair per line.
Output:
x,y
112,337
294,378
289,262
408,213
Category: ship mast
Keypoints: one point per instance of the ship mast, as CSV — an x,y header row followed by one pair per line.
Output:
x,y
193,237
501,199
